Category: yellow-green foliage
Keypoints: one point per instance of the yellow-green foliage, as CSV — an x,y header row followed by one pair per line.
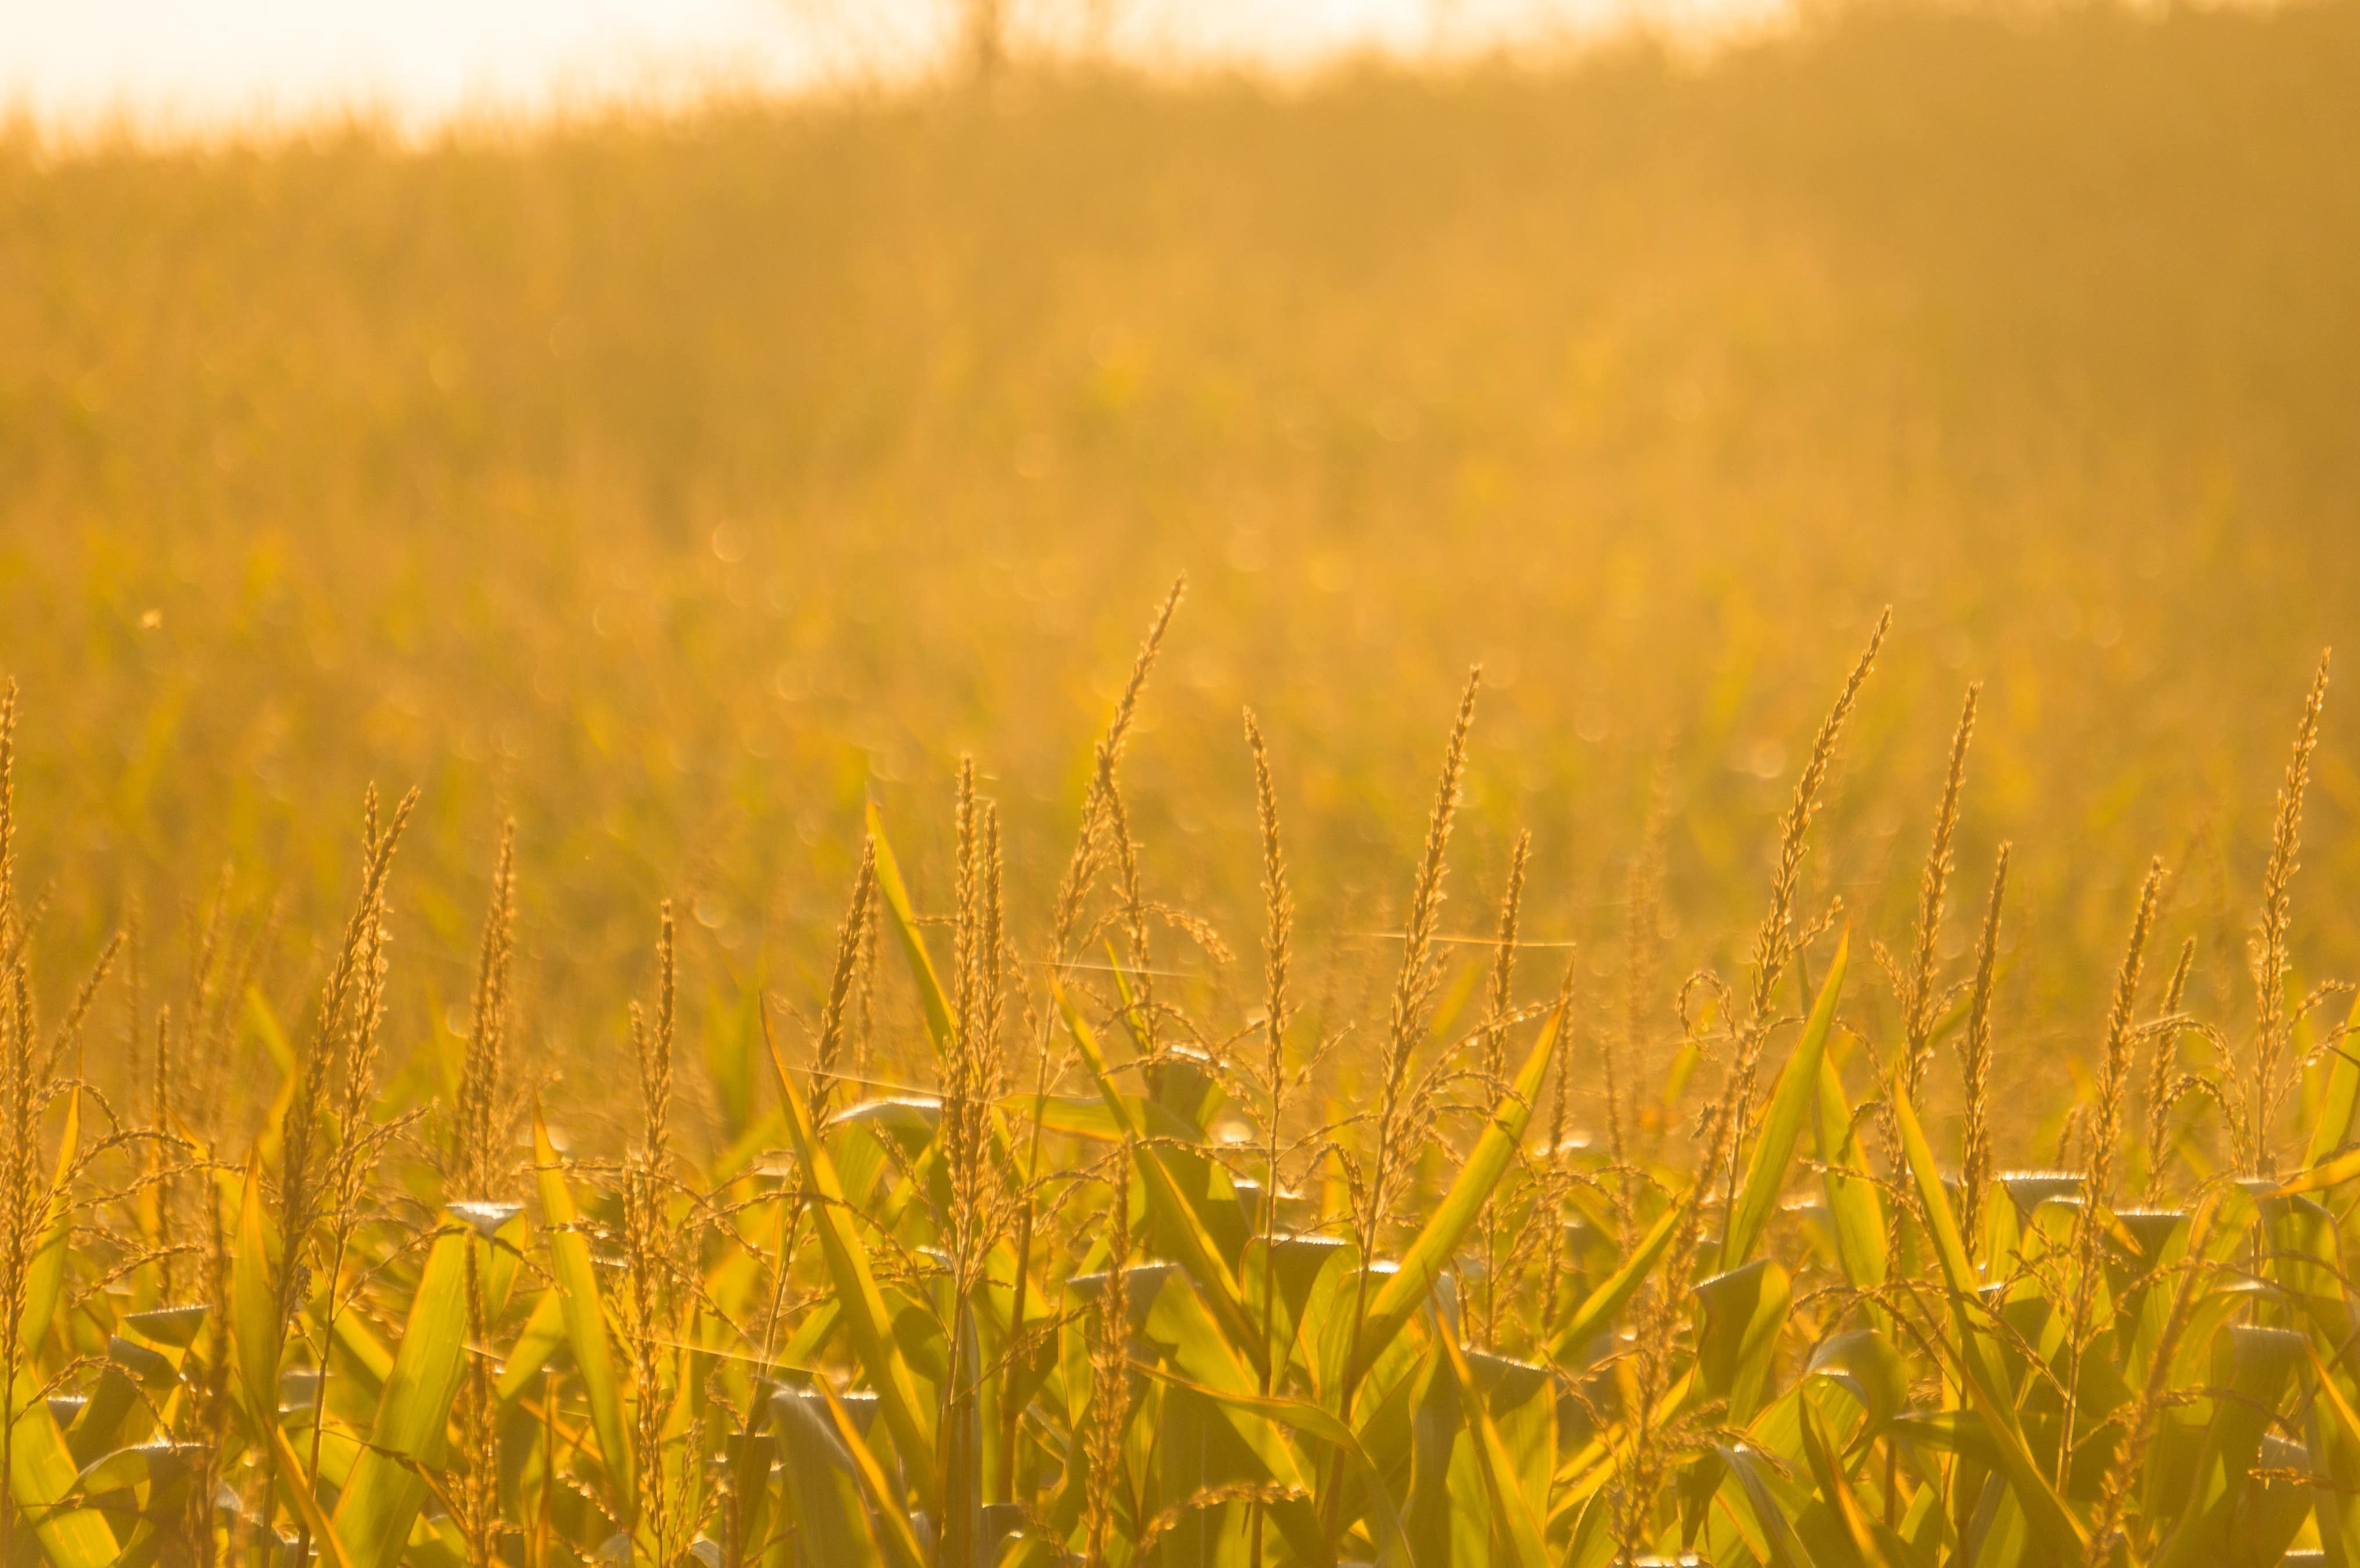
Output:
x,y
697,495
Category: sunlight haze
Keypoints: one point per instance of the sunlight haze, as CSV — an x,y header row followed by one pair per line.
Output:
x,y
239,63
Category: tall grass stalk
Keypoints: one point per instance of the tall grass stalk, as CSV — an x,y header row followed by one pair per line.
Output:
x,y
2100,1146
1495,1040
1975,1063
1412,995
2275,1024
1278,938
1921,1005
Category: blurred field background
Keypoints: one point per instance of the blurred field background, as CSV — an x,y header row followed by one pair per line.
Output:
x,y
678,483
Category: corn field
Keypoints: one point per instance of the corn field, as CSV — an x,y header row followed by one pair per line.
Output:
x,y
614,950
1084,1269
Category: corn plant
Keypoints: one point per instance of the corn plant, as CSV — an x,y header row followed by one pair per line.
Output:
x,y
1092,1283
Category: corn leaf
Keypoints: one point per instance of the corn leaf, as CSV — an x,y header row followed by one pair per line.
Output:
x,y
1981,1379
1095,1119
363,1350
1510,1513
379,1502
931,995
1594,1535
254,1302
2332,1172
1934,1198
265,1023
585,1321
1865,1364
41,1469
1202,1355
1427,1257
1310,1420
1790,1104
1854,1206
1742,1312
41,1475
1168,1197
1595,1463
2336,1455
1948,1431
2221,1513
821,1498
307,1502
2339,1106
1615,1291
1786,1547
891,1528
864,1314
45,1272
1835,1489
542,1332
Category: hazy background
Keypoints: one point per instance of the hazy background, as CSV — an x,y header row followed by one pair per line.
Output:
x,y
677,482
245,64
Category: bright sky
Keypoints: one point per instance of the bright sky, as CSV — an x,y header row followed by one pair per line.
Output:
x,y
199,65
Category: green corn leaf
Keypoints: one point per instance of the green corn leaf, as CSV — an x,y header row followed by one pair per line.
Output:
x,y
1596,1462
1446,1513
1855,1205
1310,1420
2327,1173
1202,1355
1941,1224
931,995
864,1314
1864,1364
543,1332
1702,1484
803,1347
1980,1376
2339,1108
1130,1014
1615,1291
1742,1312
2217,1520
891,1525
819,1498
1786,1548
1594,1535
385,1490
1510,1512
729,1056
1835,1489
254,1302
127,1468
1427,1257
585,1321
41,1469
1095,1119
307,1502
264,1022
1790,1104
41,1475
45,1272
496,1266
762,1134
1948,1431
2335,1454
1168,1197
267,1028
934,999
364,1352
